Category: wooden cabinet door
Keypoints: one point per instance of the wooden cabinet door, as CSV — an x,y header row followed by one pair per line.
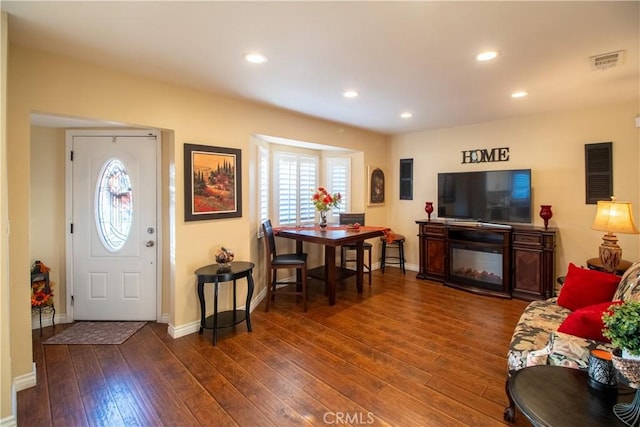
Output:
x,y
533,255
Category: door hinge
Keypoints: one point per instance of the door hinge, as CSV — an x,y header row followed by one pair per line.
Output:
x,y
71,156
71,228
71,299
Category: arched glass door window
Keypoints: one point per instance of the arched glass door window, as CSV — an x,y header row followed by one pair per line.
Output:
x,y
113,205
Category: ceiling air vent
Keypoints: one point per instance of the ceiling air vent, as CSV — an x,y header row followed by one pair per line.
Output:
x,y
606,60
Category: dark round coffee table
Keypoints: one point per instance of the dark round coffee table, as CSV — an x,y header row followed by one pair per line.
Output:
x,y
557,396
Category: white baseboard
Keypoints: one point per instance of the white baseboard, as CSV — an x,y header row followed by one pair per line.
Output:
x,y
10,421
23,382
192,327
410,267
20,383
182,330
47,319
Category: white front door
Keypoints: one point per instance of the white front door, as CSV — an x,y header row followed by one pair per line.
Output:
x,y
114,234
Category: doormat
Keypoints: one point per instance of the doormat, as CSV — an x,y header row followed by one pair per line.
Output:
x,y
96,333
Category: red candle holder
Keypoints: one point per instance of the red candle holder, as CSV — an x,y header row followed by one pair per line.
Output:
x,y
428,208
546,214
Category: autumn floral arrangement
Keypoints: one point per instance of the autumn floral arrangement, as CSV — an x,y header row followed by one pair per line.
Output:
x,y
323,201
41,290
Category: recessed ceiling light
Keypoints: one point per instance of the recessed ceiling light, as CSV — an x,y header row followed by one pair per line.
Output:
x,y
519,94
406,115
486,56
255,58
350,94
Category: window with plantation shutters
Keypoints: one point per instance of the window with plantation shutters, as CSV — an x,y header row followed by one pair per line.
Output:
x,y
338,177
295,181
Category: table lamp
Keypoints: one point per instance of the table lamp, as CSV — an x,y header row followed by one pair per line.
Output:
x,y
613,217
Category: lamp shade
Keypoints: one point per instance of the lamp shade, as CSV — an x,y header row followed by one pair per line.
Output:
x,y
614,217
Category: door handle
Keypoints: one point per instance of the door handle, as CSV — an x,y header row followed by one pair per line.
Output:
x,y
149,244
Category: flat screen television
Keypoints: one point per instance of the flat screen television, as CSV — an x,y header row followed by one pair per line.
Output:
x,y
491,196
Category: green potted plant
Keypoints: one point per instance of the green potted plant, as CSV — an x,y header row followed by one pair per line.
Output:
x,y
622,327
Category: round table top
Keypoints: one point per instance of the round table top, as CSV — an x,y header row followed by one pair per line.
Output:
x,y
215,272
556,396
596,264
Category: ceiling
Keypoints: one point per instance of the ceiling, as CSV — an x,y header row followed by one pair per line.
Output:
x,y
400,56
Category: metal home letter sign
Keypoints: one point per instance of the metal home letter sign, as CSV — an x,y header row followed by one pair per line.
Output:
x,y
485,156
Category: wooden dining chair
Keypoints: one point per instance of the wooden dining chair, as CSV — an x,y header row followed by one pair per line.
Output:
x,y
277,262
348,219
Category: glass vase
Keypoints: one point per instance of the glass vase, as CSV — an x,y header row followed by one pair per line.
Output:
x,y
546,214
428,208
323,219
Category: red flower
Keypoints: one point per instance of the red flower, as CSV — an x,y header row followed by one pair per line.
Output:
x,y
324,201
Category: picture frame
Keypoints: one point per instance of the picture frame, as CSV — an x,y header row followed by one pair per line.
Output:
x,y
376,186
212,182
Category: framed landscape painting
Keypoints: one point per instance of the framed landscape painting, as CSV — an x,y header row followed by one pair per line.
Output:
x,y
213,184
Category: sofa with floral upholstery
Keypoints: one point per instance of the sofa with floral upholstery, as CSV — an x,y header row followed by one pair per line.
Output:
x,y
563,330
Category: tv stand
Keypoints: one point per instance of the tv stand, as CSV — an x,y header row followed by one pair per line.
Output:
x,y
494,259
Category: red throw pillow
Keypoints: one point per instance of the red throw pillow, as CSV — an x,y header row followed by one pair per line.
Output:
x,y
586,322
583,287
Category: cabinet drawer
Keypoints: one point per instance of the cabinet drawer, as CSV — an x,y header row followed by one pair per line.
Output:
x,y
433,230
527,239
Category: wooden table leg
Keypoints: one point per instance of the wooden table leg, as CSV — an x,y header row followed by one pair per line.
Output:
x,y
330,272
298,272
359,265
202,308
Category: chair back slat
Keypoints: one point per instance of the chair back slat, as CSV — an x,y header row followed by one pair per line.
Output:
x,y
269,239
351,218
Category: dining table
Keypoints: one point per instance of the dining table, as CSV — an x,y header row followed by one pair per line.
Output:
x,y
332,237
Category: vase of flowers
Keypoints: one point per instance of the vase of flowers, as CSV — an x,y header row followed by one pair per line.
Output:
x,y
323,201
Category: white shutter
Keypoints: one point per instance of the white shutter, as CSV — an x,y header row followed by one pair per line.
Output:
x,y
295,181
287,186
308,173
339,173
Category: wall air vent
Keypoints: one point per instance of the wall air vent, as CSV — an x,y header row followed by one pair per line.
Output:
x,y
606,60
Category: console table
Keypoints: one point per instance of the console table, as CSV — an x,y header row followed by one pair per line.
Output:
x,y
525,255
558,396
216,274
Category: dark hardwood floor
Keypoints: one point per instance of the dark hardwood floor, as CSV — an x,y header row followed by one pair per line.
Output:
x,y
406,352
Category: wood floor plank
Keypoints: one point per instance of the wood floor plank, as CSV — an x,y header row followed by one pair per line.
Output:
x,y
404,352
136,410
99,405
64,395
152,384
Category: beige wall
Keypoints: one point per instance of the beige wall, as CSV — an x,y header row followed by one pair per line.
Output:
x,y
50,84
552,145
6,377
47,207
